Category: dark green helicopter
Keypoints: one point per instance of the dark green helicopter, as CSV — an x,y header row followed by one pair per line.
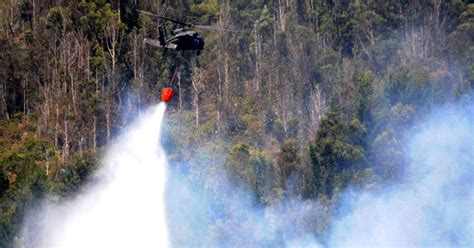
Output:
x,y
183,38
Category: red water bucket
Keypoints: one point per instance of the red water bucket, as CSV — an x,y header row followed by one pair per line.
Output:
x,y
167,94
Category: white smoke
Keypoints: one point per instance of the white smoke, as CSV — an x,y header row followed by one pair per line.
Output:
x,y
432,207
435,207
125,208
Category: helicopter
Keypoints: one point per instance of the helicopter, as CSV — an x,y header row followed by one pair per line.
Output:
x,y
183,38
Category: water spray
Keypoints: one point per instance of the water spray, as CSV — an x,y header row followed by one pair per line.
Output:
x,y
125,208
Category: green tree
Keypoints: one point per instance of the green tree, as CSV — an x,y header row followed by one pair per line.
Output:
x,y
288,159
239,165
24,184
75,174
336,155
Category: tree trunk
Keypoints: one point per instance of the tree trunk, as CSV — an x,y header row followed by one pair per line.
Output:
x,y
282,14
56,127
73,96
107,117
257,60
25,99
66,138
195,81
94,134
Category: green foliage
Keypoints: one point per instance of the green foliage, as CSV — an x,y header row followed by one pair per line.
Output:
x,y
75,174
55,18
239,166
249,168
264,23
365,94
28,166
314,95
336,155
288,159
207,9
388,144
23,183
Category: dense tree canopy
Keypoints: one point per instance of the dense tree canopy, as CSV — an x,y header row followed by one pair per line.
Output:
x,y
309,98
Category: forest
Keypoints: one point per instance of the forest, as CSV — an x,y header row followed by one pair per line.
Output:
x,y
307,99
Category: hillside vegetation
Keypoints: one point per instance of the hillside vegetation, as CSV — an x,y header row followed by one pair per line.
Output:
x,y
310,98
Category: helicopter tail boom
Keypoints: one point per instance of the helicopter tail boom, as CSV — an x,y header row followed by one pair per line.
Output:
x,y
158,43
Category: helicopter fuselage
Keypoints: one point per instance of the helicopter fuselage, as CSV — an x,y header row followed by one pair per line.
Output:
x,y
183,39
187,40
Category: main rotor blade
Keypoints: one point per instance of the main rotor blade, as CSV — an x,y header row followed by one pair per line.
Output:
x,y
217,28
190,25
165,18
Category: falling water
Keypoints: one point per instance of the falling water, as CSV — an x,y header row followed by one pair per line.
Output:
x,y
125,208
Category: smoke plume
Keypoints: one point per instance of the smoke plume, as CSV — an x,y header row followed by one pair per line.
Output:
x,y
433,206
124,208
